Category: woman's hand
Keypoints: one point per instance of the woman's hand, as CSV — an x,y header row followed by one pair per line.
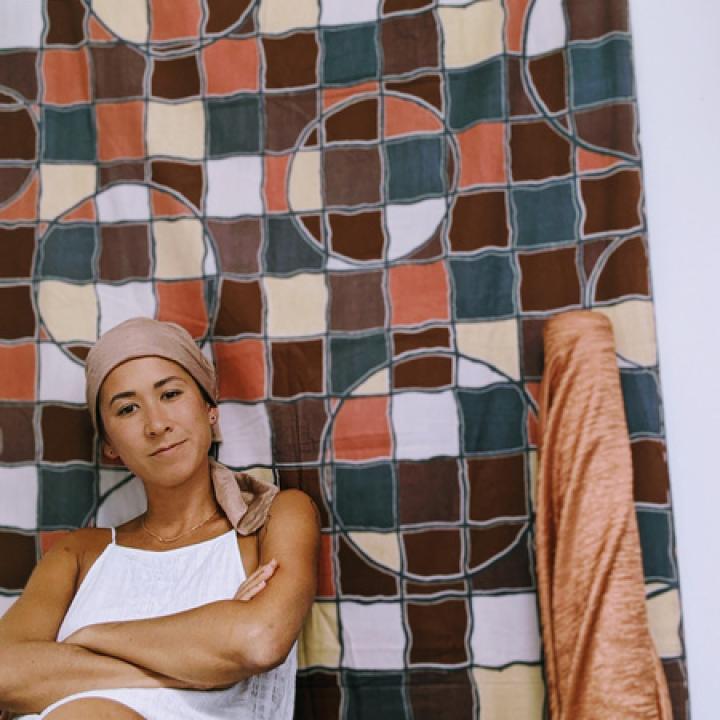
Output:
x,y
256,582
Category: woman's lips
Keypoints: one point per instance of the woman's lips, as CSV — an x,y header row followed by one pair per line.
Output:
x,y
167,449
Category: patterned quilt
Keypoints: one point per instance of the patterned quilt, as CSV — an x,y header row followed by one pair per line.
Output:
x,y
364,211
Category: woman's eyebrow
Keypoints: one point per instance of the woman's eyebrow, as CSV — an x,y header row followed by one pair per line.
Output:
x,y
133,393
166,380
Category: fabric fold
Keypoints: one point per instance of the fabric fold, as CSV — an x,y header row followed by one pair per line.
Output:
x,y
600,659
244,499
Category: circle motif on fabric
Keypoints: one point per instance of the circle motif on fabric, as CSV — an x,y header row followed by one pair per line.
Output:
x,y
370,181
132,249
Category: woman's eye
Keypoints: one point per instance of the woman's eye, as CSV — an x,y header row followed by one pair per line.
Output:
x,y
126,409
169,394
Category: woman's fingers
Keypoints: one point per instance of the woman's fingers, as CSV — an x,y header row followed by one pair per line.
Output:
x,y
250,588
249,593
256,581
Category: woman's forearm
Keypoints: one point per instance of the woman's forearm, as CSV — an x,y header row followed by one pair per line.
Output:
x,y
162,644
37,673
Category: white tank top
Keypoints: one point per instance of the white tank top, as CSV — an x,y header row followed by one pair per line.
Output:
x,y
129,584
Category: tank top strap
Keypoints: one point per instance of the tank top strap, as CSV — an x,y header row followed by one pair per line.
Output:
x,y
112,535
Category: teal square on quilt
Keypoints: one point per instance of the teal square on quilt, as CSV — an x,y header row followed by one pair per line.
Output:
x,y
544,215
69,134
378,696
364,496
68,252
234,125
287,248
642,401
416,168
352,359
476,94
484,286
67,495
350,54
656,542
493,419
602,72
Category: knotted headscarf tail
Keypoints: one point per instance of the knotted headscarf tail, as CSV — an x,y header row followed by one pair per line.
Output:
x,y
245,500
601,661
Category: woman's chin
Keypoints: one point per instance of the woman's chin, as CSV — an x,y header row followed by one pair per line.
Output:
x,y
173,469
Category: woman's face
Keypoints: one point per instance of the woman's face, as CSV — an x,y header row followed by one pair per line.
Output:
x,y
156,420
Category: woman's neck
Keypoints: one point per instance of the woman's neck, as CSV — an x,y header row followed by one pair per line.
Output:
x,y
176,509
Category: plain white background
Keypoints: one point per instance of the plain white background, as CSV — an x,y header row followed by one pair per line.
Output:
x,y
677,63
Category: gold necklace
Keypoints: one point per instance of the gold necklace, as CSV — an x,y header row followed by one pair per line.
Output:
x,y
182,534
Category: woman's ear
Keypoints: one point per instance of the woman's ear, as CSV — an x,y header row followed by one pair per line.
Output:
x,y
212,414
109,451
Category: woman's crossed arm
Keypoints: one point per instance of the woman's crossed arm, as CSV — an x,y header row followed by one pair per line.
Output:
x,y
36,671
220,643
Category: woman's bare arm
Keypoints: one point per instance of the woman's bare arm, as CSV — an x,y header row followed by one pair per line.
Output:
x,y
35,671
230,639
38,673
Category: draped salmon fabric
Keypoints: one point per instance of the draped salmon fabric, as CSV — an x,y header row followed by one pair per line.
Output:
x,y
601,663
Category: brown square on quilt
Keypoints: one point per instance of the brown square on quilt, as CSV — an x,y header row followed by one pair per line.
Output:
x,y
297,367
438,631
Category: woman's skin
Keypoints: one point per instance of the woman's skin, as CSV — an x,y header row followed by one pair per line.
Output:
x,y
96,708
156,421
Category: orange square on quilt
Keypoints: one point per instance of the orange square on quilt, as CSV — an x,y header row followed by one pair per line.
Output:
x,y
174,19
183,303
516,17
17,372
276,167
66,76
419,293
362,429
25,205
97,32
482,155
120,130
231,65
241,369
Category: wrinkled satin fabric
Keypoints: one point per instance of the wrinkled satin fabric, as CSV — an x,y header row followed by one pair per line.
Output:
x,y
600,659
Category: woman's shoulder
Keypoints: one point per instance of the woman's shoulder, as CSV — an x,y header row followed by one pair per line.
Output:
x,y
87,544
83,543
293,514
293,501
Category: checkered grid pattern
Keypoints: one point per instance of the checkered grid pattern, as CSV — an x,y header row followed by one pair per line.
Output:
x,y
363,212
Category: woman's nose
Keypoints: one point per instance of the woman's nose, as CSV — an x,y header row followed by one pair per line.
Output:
x,y
156,422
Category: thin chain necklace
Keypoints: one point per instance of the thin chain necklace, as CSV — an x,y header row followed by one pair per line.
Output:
x,y
182,534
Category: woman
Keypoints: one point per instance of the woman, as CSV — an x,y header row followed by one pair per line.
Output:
x,y
190,610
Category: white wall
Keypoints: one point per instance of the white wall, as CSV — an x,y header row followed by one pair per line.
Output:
x,y
677,59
